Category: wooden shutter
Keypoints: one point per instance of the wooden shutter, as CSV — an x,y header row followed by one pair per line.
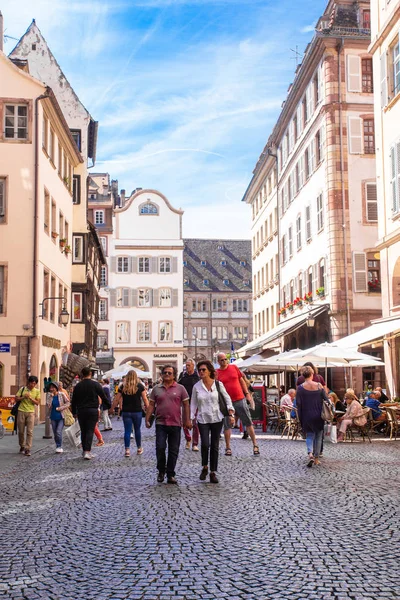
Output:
x,y
355,135
153,264
156,298
2,198
290,241
285,248
300,124
393,178
383,79
175,297
372,202
326,285
291,136
126,297
311,157
134,297
113,297
174,264
309,102
301,171
113,264
353,73
151,297
308,223
314,279
134,264
360,271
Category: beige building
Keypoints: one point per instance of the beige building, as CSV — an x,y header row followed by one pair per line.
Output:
x,y
324,147
38,156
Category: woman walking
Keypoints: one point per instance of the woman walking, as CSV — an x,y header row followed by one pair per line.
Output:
x,y
57,402
129,399
309,398
209,416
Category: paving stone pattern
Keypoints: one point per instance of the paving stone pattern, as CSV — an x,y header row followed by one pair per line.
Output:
x,y
105,530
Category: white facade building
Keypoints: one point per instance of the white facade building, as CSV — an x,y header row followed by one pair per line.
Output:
x,y
145,283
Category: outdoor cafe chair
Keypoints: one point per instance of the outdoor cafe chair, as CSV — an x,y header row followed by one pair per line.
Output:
x,y
393,422
289,422
363,430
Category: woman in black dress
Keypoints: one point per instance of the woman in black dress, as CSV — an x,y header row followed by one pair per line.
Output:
x,y
309,398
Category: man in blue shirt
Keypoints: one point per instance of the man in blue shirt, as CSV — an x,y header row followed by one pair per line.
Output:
x,y
373,402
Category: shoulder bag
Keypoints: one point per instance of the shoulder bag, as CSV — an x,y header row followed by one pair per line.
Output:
x,y
14,410
326,411
223,407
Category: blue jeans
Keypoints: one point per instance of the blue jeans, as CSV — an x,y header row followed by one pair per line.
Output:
x,y
58,427
132,419
314,442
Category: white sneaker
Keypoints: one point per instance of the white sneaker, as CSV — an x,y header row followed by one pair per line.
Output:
x,y
59,450
132,436
87,456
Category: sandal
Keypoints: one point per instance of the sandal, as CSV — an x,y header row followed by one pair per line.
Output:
x,y
228,452
256,451
140,450
127,452
310,461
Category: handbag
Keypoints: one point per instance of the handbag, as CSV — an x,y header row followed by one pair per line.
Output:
x,y
221,400
326,413
68,418
14,409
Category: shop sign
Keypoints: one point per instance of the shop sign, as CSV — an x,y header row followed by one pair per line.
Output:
x,y
50,342
5,347
165,356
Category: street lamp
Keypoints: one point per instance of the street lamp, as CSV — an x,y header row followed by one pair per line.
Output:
x,y
64,314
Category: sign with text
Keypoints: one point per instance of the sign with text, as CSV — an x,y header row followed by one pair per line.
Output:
x,y
5,347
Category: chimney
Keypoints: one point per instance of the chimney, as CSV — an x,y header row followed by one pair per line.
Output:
x,y
122,198
1,31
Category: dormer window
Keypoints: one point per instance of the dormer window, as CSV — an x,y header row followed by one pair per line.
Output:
x,y
203,263
226,281
220,247
206,282
185,263
246,282
223,263
148,208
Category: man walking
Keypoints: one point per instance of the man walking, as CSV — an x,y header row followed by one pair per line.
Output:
x,y
188,379
29,398
166,400
85,404
236,387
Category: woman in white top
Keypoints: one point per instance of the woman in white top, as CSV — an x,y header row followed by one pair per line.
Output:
x,y
205,403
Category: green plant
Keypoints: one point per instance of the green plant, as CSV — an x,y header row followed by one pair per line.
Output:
x,y
67,249
321,291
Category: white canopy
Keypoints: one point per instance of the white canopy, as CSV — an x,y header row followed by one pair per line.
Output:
x,y
376,331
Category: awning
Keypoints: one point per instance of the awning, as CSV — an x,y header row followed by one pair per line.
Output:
x,y
287,326
376,331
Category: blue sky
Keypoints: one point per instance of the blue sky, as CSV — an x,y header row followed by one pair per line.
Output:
x,y
186,91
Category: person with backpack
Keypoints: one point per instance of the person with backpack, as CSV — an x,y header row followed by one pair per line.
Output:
x,y
29,398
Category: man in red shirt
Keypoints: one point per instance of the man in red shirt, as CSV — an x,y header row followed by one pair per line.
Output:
x,y
236,387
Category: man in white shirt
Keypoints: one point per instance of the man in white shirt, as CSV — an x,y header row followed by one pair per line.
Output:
x,y
287,399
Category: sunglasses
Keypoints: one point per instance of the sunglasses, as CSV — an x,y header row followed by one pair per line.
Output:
x,y
201,370
167,373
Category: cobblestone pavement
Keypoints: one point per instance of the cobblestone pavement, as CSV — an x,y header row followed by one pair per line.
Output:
x,y
105,530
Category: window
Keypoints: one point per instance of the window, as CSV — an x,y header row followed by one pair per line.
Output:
x,y
144,264
165,331
165,297
77,248
16,121
396,67
103,276
308,223
76,134
185,263
369,136
47,212
2,290
310,280
298,232
300,285
219,305
366,19
206,282
144,328
395,176
372,202
102,339
123,264
284,249
186,282
123,297
220,333
148,208
165,265
366,72
318,147
45,133
52,143
99,217
123,331
223,263
103,309
243,263
103,242
226,282
76,189
144,297
2,199
290,241
77,307
374,275
240,306
240,333
199,333
320,212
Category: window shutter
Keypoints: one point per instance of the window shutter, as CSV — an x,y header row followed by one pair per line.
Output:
x,y
311,157
372,202
398,176
126,297
156,298
174,264
360,271
300,124
384,83
355,135
291,136
113,264
308,222
134,264
393,178
151,297
154,264
113,297
309,102
301,171
321,82
2,199
290,241
129,264
314,279
326,286
285,248
353,73
175,297
134,295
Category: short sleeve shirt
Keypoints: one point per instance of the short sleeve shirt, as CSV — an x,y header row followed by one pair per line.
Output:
x,y
168,403
231,377
26,404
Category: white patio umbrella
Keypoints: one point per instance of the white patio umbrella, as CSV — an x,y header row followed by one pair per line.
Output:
x,y
243,363
118,372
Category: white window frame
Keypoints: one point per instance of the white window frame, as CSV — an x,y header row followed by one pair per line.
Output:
x,y
103,309
163,294
320,212
77,248
122,264
165,264
298,233
15,118
165,331
122,332
144,299
144,331
99,217
3,199
308,223
103,242
144,264
103,276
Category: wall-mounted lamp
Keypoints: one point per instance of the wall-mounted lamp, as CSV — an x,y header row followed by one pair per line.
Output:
x,y
310,321
64,314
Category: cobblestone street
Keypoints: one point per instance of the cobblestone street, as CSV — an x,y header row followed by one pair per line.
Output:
x,y
104,529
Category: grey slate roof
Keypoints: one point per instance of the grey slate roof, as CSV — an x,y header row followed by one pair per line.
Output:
x,y
213,252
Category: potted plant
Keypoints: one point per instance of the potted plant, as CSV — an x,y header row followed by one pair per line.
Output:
x,y
374,285
63,242
298,302
54,235
66,181
290,306
308,297
321,292
67,249
282,311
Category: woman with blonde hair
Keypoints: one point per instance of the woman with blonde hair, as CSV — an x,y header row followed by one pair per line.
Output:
x,y
129,400
354,414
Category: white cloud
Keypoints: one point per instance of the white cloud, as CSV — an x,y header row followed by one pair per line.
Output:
x,y
308,28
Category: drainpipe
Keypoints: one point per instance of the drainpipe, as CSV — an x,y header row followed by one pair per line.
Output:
x,y
344,227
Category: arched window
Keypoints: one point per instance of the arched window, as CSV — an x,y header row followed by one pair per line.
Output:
x,y
148,208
